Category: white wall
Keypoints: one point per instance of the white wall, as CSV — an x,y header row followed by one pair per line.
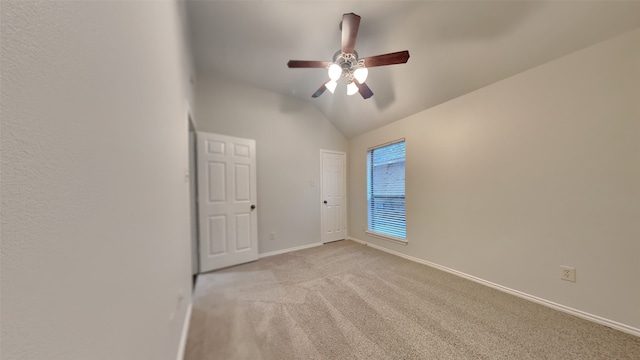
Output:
x,y
289,134
540,170
95,227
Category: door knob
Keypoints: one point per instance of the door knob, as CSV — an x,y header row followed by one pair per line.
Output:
x,y
253,207
325,201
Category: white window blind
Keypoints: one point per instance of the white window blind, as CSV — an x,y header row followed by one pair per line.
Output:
x,y
385,190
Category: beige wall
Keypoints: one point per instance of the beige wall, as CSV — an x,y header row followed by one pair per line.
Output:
x,y
289,134
540,170
95,228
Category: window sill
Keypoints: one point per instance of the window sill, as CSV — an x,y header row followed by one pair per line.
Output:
x,y
387,237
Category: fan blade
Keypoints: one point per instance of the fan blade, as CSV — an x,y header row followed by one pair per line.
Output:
x,y
321,90
364,90
350,25
308,64
399,57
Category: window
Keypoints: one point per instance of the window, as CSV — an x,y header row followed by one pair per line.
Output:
x,y
385,191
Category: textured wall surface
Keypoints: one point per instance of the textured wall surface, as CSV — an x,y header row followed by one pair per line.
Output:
x,y
95,227
289,134
540,170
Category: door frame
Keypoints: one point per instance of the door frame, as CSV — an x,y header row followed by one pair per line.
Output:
x,y
193,196
321,185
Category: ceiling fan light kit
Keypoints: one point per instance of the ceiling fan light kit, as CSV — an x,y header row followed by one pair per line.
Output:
x,y
331,86
335,71
346,62
352,88
361,74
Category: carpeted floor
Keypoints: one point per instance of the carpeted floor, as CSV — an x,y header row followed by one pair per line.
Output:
x,y
348,301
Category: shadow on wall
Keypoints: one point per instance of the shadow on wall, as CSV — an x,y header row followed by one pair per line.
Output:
x,y
382,87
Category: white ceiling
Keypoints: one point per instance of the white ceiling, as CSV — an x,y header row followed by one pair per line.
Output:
x,y
455,46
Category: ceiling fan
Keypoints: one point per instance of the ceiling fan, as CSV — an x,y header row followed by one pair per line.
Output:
x,y
346,62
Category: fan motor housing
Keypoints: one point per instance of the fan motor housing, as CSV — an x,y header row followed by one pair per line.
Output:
x,y
348,62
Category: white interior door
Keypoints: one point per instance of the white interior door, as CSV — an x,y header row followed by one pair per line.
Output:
x,y
333,193
226,201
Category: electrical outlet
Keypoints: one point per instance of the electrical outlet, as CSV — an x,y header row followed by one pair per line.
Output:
x,y
272,236
568,273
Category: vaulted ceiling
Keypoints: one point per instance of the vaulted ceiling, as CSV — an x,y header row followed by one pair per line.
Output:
x,y
456,47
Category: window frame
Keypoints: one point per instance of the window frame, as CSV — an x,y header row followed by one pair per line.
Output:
x,y
369,174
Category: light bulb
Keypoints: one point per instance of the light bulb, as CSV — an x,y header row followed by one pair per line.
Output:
x,y
361,74
335,71
331,85
352,88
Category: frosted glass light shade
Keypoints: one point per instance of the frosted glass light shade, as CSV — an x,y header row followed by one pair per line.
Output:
x,y
331,86
334,72
352,88
361,74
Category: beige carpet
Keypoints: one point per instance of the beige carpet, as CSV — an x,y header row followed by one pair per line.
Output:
x,y
349,301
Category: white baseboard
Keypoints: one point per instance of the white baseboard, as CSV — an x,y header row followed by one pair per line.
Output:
x,y
185,333
283,251
579,313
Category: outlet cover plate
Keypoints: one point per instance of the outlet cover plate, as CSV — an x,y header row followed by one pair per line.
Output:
x,y
568,273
